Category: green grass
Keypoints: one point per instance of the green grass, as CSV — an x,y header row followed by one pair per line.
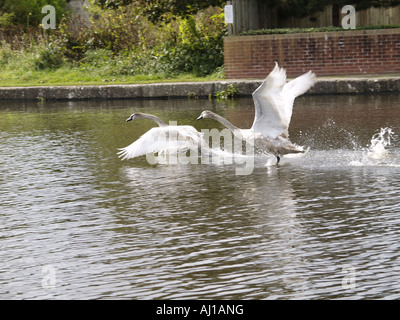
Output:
x,y
39,67
20,68
74,76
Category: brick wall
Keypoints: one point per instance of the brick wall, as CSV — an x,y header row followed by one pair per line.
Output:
x,y
326,53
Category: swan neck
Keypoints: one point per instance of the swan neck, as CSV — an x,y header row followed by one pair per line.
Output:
x,y
225,122
156,120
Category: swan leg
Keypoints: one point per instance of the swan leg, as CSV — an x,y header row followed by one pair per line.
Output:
x,y
278,158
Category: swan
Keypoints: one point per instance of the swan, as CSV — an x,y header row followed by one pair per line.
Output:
x,y
278,147
162,138
273,101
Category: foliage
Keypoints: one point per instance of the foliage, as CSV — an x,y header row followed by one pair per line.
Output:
x,y
6,19
5,53
231,92
160,10
27,12
119,44
187,45
199,46
48,57
120,29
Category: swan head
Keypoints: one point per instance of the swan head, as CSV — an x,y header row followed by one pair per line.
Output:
x,y
134,116
205,114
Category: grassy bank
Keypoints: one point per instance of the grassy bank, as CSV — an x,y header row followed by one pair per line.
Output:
x,y
73,77
45,64
117,47
68,75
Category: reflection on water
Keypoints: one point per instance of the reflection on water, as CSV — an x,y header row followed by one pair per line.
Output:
x,y
78,223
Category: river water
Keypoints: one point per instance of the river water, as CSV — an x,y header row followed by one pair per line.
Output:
x,y
79,223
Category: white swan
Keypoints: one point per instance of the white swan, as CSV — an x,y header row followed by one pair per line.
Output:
x,y
162,138
278,147
273,101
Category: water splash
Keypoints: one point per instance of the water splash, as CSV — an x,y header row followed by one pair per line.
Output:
x,y
379,142
330,136
377,153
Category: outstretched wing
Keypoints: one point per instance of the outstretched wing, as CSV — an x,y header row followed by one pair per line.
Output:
x,y
162,138
273,101
269,116
295,88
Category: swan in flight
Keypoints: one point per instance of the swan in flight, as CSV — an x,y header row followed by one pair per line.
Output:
x,y
273,101
162,138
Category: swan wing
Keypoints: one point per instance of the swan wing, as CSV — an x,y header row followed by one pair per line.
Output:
x,y
293,89
269,119
162,138
273,101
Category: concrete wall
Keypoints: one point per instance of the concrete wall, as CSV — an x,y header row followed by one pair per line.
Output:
x,y
192,89
326,53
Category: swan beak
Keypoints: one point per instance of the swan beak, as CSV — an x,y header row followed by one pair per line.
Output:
x,y
200,117
129,119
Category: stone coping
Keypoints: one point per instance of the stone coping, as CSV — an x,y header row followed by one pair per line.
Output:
x,y
176,90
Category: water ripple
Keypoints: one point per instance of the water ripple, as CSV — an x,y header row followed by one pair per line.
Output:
x,y
128,230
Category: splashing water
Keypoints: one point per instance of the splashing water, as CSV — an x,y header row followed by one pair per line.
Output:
x,y
376,153
379,141
330,136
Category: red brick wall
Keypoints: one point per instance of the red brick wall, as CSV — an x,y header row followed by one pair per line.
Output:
x,y
326,53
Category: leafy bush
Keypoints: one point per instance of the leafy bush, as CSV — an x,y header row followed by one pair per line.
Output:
x,y
185,45
96,58
124,42
231,92
49,57
199,48
5,53
6,19
28,12
121,29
